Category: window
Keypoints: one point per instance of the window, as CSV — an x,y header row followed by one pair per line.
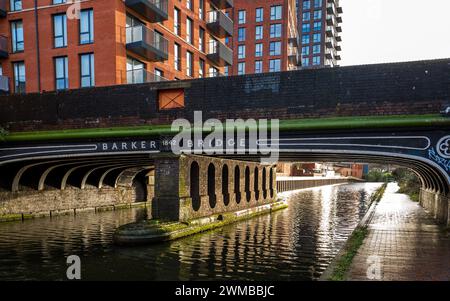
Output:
x,y
241,34
275,30
189,63
275,65
316,49
317,26
159,75
136,71
305,50
241,68
177,56
60,30
275,48
307,4
306,16
305,39
316,60
59,1
189,30
317,37
258,67
201,9
258,50
61,73
177,21
19,77
201,68
241,16
317,15
87,26
241,52
189,4
276,12
87,70
213,72
305,62
306,27
201,39
226,70
317,3
259,32
15,5
17,36
259,14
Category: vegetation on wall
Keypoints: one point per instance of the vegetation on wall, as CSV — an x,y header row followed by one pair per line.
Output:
x,y
409,183
3,133
377,175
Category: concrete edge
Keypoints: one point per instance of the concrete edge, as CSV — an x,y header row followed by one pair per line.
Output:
x,y
75,211
365,221
139,235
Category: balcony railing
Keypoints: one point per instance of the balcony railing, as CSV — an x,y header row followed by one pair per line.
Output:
x,y
140,76
222,4
4,84
220,54
147,43
220,24
152,10
3,47
3,8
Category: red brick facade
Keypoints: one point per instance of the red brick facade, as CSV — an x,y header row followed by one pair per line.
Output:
x,y
108,47
288,37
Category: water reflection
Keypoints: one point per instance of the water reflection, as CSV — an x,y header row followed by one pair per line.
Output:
x,y
294,244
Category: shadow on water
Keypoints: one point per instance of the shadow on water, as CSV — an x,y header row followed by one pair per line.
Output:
x,y
293,244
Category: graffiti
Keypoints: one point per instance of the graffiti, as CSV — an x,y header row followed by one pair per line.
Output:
x,y
439,160
443,147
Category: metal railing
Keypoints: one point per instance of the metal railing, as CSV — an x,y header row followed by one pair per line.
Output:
x,y
4,83
140,33
140,76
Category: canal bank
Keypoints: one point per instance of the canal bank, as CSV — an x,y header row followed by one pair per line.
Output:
x,y
403,243
296,243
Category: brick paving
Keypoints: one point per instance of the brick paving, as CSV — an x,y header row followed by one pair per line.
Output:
x,y
403,243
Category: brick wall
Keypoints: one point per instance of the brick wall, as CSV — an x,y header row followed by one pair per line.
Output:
x,y
386,89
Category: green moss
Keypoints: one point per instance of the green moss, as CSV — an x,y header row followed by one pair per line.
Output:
x,y
353,243
285,125
156,230
10,217
351,249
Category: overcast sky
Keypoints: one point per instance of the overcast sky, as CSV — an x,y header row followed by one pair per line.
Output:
x,y
378,31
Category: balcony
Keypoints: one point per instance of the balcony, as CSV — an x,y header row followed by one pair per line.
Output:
x,y
220,24
3,8
294,58
339,10
147,43
330,20
338,48
4,84
338,29
152,10
219,54
339,19
293,41
140,76
222,4
338,38
3,47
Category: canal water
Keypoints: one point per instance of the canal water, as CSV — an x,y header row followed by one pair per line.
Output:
x,y
297,243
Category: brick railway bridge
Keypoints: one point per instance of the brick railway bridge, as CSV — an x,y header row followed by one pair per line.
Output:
x,y
111,145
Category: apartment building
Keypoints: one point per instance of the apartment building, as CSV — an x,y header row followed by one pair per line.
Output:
x,y
265,36
320,28
48,45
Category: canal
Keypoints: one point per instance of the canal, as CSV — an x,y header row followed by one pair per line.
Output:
x,y
297,243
